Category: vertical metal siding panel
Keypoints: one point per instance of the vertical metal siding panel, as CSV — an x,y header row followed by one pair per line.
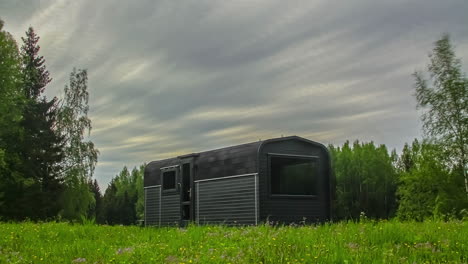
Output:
x,y
152,206
256,198
227,200
170,209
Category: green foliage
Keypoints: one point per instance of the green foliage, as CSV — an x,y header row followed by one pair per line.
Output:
x,y
93,211
444,99
365,181
41,146
45,164
123,201
35,74
427,187
10,85
30,146
74,124
140,204
77,199
346,242
42,152
11,113
80,155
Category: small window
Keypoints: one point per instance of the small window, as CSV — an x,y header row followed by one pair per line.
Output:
x,y
293,175
169,180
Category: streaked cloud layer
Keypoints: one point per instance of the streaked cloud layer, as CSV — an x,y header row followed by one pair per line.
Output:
x,y
172,77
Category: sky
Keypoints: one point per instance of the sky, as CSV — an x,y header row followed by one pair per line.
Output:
x,y
174,77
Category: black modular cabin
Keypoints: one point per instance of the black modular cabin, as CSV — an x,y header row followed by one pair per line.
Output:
x,y
284,180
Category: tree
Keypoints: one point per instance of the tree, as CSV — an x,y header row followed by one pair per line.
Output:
x,y
110,205
11,113
41,145
444,99
80,155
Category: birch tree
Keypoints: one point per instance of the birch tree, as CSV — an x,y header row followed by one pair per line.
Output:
x,y
444,99
80,155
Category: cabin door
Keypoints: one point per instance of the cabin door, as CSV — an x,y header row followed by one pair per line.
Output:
x,y
186,193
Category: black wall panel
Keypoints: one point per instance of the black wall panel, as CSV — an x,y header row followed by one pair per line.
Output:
x,y
294,209
153,171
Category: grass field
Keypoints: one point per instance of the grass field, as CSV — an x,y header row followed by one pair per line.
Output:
x,y
368,242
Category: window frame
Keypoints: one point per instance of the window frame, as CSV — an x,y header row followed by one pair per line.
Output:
x,y
172,190
292,196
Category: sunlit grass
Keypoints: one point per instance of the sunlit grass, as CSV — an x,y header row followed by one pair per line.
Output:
x,y
368,242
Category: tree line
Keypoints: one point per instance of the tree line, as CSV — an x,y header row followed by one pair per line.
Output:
x,y
47,162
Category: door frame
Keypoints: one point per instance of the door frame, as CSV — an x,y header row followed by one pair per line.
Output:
x,y
191,201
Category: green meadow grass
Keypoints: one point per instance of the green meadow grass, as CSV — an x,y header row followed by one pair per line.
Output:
x,y
365,242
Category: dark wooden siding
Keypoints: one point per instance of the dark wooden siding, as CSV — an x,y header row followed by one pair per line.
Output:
x,y
294,209
234,160
170,209
152,209
230,201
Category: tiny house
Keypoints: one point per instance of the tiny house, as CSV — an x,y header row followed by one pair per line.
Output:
x,y
285,180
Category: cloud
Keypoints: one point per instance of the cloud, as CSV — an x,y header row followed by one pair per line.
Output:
x,y
168,78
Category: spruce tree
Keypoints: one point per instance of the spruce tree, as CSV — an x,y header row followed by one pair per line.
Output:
x,y
41,147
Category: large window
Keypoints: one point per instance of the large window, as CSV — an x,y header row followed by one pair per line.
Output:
x,y
293,175
169,180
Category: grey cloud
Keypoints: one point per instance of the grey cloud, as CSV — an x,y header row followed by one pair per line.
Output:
x,y
168,78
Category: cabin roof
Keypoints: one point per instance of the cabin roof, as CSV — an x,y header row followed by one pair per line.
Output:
x,y
232,160
233,148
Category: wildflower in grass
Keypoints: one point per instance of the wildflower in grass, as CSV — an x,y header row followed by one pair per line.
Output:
x,y
124,250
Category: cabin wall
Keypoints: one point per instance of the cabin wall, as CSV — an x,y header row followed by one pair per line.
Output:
x,y
294,209
225,186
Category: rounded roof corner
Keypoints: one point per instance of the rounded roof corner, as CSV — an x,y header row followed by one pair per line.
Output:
x,y
294,137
